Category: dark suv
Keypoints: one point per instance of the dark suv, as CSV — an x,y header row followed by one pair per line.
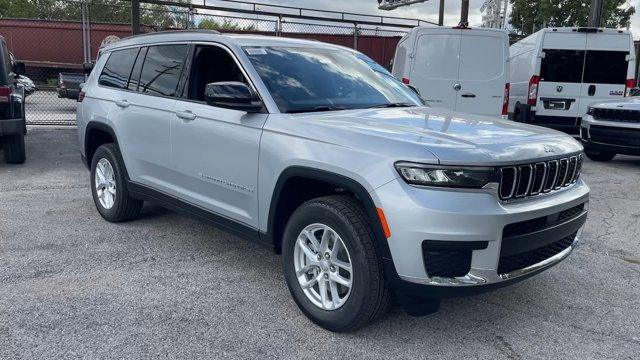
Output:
x,y
13,126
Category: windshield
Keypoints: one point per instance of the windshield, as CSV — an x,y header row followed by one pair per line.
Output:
x,y
312,79
386,75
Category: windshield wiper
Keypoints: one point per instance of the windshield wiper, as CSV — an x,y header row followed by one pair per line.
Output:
x,y
391,105
316,109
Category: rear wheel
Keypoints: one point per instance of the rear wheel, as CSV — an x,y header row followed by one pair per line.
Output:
x,y
14,149
600,155
332,266
109,186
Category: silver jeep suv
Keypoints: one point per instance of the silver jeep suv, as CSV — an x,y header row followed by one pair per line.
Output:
x,y
316,152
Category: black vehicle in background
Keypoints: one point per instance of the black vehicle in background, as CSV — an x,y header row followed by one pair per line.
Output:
x,y
69,85
13,126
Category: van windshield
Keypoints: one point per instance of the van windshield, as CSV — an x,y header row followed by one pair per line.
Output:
x,y
312,79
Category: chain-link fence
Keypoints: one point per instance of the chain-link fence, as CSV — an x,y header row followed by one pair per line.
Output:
x,y
54,38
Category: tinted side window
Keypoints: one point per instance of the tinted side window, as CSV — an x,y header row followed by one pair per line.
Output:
x,y
562,66
118,68
135,73
606,67
162,68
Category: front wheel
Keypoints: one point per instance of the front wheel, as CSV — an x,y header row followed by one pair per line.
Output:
x,y
332,266
600,155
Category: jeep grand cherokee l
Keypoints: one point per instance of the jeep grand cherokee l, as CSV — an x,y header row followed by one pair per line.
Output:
x,y
301,146
611,128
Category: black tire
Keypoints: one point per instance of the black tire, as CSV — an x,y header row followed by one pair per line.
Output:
x,y
124,206
522,114
14,150
600,155
370,294
517,116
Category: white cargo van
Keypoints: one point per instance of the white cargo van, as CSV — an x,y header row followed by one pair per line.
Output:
x,y
459,68
557,73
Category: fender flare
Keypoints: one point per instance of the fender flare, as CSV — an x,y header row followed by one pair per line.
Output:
x,y
339,180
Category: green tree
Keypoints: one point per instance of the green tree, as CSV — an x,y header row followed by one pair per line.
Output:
x,y
225,25
530,16
105,11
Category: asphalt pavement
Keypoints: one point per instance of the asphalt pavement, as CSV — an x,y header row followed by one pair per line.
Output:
x,y
167,286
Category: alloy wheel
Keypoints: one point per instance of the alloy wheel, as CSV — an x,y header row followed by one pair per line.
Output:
x,y
323,266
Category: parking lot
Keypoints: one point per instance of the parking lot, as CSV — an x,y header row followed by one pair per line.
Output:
x,y
73,285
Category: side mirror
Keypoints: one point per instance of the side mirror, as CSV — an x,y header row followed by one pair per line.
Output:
x,y
19,68
232,95
87,67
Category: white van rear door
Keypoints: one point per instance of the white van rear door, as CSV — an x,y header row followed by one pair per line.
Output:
x,y
606,69
561,77
435,66
483,72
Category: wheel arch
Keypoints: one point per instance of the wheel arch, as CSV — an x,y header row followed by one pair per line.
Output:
x,y
96,134
278,209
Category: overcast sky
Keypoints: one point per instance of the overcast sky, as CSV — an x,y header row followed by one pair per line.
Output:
x,y
426,11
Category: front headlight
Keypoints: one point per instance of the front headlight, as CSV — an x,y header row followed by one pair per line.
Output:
x,y
445,176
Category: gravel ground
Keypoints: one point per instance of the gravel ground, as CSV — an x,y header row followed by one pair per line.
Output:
x,y
167,286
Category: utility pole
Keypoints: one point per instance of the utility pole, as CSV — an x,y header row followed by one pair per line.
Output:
x,y
464,12
135,17
441,13
595,13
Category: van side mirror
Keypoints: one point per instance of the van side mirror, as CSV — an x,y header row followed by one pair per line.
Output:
x,y
87,67
232,95
19,68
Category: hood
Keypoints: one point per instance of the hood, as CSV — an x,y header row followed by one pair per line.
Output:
x,y
453,138
629,103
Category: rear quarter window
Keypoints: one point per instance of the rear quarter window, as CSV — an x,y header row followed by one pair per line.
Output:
x,y
117,69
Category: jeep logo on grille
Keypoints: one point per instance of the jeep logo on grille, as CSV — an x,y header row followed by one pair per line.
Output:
x,y
559,88
549,150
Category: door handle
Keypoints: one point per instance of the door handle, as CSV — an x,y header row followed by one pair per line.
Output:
x,y
592,90
468,95
122,103
186,115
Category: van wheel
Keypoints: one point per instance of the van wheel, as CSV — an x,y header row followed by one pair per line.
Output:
x,y
109,186
516,114
331,264
600,155
14,150
522,114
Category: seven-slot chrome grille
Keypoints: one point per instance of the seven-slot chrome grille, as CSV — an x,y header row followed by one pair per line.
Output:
x,y
532,179
618,115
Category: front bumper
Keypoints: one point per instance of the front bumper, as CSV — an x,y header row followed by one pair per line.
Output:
x,y
612,136
474,217
11,127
